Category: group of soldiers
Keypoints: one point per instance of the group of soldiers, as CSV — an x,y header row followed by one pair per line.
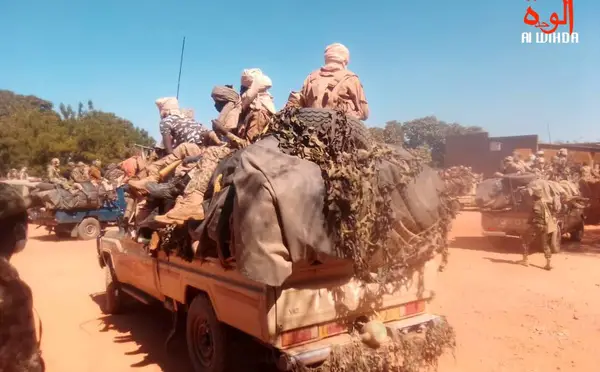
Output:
x,y
243,117
15,174
557,169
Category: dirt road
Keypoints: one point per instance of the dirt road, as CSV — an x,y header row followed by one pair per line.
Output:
x,y
507,317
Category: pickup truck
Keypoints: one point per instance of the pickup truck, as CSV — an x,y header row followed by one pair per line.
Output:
x,y
513,223
300,322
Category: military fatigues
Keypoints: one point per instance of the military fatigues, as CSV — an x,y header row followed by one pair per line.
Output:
x,y
18,341
78,175
541,228
189,205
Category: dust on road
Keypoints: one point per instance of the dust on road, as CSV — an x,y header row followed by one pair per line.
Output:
x,y
507,317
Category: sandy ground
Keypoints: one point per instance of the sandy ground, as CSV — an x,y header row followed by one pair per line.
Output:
x,y
507,317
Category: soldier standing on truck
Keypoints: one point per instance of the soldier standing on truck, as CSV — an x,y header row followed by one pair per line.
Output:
x,y
19,349
333,86
542,225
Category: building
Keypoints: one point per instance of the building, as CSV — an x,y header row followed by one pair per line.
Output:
x,y
485,154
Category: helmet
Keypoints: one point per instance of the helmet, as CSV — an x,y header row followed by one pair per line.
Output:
x,y
80,164
55,162
508,159
536,191
562,152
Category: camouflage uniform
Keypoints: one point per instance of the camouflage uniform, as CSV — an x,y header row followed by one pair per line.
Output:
x,y
78,173
189,205
19,349
541,228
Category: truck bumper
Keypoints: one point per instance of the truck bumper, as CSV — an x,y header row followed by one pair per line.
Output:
x,y
494,233
319,351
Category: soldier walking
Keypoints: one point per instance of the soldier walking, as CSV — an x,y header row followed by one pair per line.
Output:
x,y
542,227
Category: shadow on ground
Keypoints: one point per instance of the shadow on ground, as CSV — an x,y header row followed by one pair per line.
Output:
x,y
148,327
52,237
487,244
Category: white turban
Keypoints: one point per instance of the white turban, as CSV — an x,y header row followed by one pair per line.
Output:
x,y
252,74
337,53
167,105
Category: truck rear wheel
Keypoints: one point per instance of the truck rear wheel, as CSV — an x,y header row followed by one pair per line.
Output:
x,y
113,299
577,235
88,229
206,337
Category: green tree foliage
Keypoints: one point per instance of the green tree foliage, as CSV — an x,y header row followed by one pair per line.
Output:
x,y
31,134
424,135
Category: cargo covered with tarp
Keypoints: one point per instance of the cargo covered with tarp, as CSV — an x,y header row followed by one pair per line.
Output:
x,y
90,196
313,190
590,188
514,191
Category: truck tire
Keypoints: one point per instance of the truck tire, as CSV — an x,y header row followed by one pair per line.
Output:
x,y
206,337
556,240
577,235
88,229
113,298
313,117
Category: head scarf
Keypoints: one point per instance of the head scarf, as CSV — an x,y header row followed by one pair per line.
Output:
x,y
248,76
222,93
168,106
336,54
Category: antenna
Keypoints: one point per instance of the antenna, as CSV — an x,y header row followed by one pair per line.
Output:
x,y
180,66
549,135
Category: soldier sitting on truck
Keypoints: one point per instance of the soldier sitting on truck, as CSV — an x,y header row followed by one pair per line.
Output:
x,y
542,225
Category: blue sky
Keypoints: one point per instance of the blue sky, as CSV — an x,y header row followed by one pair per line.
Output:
x,y
462,60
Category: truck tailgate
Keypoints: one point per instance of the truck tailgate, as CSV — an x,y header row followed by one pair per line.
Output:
x,y
505,223
319,301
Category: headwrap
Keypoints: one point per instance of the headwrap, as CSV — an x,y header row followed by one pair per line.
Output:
x,y
337,54
248,76
80,164
221,93
168,105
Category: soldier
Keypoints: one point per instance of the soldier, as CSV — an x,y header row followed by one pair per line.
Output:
x,y
586,171
333,86
13,174
19,348
78,173
542,226
95,172
510,167
255,119
23,174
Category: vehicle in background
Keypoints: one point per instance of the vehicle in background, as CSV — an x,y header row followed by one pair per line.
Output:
x,y
85,224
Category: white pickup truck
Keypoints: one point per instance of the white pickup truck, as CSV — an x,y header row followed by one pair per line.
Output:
x,y
301,321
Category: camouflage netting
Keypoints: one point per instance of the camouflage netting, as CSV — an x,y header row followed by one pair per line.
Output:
x,y
496,194
371,215
405,353
459,180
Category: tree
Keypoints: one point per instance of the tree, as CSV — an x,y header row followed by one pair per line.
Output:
x,y
427,134
31,135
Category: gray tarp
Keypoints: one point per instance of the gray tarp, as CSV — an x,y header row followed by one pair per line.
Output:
x,y
276,203
91,197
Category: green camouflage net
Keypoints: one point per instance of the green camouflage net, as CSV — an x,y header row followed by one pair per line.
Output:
x,y
357,206
405,353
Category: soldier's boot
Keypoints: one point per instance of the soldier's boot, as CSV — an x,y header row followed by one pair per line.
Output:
x,y
187,207
524,261
548,265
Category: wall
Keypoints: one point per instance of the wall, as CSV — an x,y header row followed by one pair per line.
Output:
x,y
485,154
